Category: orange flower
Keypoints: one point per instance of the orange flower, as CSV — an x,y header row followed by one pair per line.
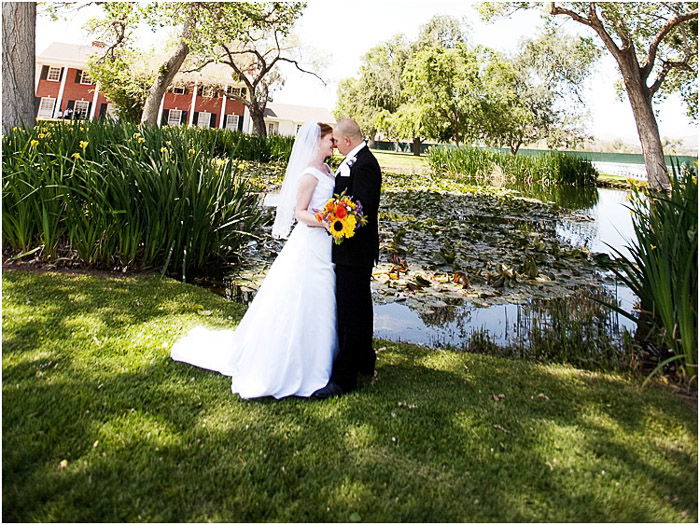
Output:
x,y
341,212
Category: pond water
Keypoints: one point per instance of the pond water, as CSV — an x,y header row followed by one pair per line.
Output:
x,y
569,317
604,223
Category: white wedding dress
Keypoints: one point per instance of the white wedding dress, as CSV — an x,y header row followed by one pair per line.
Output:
x,y
286,342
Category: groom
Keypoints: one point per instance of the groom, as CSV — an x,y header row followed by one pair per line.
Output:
x,y
361,179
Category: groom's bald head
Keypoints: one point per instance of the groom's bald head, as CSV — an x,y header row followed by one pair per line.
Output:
x,y
347,135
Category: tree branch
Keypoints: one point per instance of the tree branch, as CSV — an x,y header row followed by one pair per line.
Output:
x,y
653,48
296,64
667,67
593,22
554,10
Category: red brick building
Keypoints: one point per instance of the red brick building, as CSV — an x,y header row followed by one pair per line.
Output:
x,y
65,90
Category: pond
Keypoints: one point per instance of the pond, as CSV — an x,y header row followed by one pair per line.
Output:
x,y
599,222
469,267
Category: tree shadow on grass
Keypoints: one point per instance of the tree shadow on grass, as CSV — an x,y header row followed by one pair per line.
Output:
x,y
153,440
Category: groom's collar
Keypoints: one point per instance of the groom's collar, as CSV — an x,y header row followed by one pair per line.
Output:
x,y
355,150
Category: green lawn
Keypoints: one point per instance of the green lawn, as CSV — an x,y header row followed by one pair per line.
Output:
x,y
399,162
100,425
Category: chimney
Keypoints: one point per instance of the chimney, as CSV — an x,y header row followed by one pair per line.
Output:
x,y
97,43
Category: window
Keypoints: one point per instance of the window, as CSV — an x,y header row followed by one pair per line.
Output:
x,y
54,74
85,78
232,122
272,128
234,91
174,116
81,108
208,91
179,90
204,119
46,107
298,127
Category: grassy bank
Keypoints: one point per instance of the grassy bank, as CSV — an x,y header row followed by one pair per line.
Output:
x,y
100,425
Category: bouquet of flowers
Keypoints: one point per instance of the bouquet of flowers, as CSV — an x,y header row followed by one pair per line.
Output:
x,y
343,217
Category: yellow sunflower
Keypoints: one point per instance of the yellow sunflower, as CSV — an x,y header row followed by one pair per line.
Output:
x,y
337,228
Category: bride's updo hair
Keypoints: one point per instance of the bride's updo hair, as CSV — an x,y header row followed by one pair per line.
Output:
x,y
325,129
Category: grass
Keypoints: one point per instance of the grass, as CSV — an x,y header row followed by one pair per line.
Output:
x,y
100,425
399,162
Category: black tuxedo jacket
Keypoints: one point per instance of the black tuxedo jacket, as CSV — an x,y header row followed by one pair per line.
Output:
x,y
363,185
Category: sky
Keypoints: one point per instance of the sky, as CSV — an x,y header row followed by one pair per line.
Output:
x,y
343,31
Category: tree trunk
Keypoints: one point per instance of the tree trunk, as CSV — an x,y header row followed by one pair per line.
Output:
x,y
166,74
415,147
257,116
648,130
18,64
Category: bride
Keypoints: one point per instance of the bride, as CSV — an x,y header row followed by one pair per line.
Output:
x,y
286,341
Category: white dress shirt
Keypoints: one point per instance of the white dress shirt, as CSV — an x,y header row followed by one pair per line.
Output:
x,y
350,155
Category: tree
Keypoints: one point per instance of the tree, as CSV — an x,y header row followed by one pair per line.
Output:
x,y
445,88
201,27
206,27
377,99
378,89
537,93
125,79
18,64
655,46
255,60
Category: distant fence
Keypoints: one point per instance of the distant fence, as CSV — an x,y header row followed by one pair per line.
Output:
x,y
625,164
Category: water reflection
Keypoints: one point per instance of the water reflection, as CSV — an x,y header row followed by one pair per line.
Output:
x,y
609,223
575,329
564,195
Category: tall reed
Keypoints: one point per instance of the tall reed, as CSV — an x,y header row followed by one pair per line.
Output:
x,y
116,194
663,269
548,168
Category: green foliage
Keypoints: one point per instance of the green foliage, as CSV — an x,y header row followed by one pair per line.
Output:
x,y
124,80
99,425
663,270
548,168
445,84
636,25
378,89
116,194
537,93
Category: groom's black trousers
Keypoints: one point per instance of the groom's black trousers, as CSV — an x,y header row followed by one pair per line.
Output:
x,y
355,325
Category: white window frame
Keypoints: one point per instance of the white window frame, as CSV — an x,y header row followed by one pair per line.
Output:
x,y
172,112
273,128
232,119
208,91
84,76
46,113
178,87
56,70
206,123
81,113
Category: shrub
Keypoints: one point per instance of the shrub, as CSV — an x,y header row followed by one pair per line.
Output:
x,y
116,194
548,168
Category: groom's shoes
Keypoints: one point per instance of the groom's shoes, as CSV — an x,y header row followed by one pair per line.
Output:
x,y
330,390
